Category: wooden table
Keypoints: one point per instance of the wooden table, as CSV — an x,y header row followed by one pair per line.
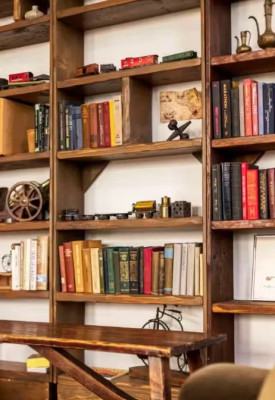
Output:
x,y
159,346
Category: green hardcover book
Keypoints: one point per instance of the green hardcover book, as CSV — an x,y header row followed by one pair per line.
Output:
x,y
124,270
134,259
101,271
116,270
111,271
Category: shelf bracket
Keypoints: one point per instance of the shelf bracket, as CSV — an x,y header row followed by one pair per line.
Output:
x,y
91,172
250,158
198,156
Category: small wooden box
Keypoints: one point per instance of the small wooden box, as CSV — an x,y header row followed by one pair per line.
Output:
x,y
5,281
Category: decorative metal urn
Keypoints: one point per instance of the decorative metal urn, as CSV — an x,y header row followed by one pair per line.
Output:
x,y
243,46
267,39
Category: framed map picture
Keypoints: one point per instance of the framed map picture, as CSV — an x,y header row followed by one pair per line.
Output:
x,y
263,282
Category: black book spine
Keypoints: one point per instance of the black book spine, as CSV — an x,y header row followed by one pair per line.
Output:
x,y
236,191
105,270
141,271
268,108
216,193
216,110
226,108
46,145
235,112
263,189
67,128
61,126
226,191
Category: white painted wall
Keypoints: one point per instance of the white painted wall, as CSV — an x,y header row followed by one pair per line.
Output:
x,y
178,177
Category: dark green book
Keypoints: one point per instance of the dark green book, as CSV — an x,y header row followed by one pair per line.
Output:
x,y
124,270
105,270
141,271
116,270
134,261
101,271
111,271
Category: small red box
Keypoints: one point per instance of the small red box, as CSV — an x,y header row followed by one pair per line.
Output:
x,y
20,77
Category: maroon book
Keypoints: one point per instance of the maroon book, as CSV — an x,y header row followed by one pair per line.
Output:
x,y
62,269
106,124
147,270
69,266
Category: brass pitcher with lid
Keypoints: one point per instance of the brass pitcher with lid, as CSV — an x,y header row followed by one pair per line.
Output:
x,y
243,47
267,39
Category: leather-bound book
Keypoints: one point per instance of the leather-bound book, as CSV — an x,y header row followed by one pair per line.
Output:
x,y
168,268
85,125
226,108
62,269
147,270
101,271
216,192
271,191
94,126
69,265
247,85
111,271
155,270
133,259
78,266
105,270
141,270
226,191
244,167
268,105
107,124
235,112
253,193
216,110
101,125
124,270
255,116
261,116
236,188
263,189
116,270
161,272
87,270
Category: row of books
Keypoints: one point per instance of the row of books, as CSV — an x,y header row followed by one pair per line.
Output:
x,y
42,127
241,191
90,125
245,108
30,263
88,267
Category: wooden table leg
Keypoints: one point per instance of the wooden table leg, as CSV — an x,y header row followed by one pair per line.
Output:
x,y
194,360
159,378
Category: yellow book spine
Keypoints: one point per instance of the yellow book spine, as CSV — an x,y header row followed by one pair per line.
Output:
x,y
78,266
112,124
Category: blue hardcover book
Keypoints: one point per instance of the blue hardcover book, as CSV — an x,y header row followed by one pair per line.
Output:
x,y
73,137
78,128
261,108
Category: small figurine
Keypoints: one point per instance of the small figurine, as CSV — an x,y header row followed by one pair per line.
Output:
x,y
131,62
165,208
181,209
267,39
91,69
178,131
186,55
243,47
4,84
34,13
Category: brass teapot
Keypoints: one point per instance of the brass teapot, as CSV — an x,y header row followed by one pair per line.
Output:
x,y
243,47
267,39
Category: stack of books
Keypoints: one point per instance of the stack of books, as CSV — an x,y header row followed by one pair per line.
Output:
x,y
42,127
241,191
243,108
30,263
90,125
88,267
37,364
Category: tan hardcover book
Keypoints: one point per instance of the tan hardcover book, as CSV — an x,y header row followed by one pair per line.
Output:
x,y
42,262
15,120
95,270
155,271
201,274
197,269
161,272
86,126
117,121
87,270
168,268
78,266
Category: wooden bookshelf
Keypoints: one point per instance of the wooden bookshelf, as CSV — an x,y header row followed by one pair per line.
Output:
x,y
20,33
243,225
173,223
29,94
6,8
129,299
18,371
158,149
25,160
22,294
245,307
120,11
155,75
244,144
24,226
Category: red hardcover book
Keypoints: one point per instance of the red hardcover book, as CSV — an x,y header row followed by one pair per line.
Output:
x,y
101,124
255,115
69,266
253,193
247,87
147,271
106,122
94,126
271,191
244,189
62,269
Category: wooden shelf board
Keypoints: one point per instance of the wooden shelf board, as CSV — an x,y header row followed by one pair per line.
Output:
x,y
25,33
244,143
24,226
30,94
6,8
246,64
129,299
243,225
245,307
25,160
115,12
133,151
155,75
22,294
193,222
17,370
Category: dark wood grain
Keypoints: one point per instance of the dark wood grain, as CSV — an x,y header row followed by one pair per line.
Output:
x,y
30,95
194,360
21,390
115,12
6,8
245,307
24,226
192,222
159,377
177,378
245,144
243,225
16,370
128,299
109,339
25,160
154,75
158,149
22,294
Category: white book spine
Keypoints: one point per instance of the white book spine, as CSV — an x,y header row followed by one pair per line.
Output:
x,y
183,270
197,270
22,261
201,275
27,264
176,269
241,105
33,268
118,120
191,270
15,268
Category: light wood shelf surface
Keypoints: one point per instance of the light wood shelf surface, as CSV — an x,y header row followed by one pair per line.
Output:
x,y
22,294
25,160
28,94
24,226
245,307
244,225
245,143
